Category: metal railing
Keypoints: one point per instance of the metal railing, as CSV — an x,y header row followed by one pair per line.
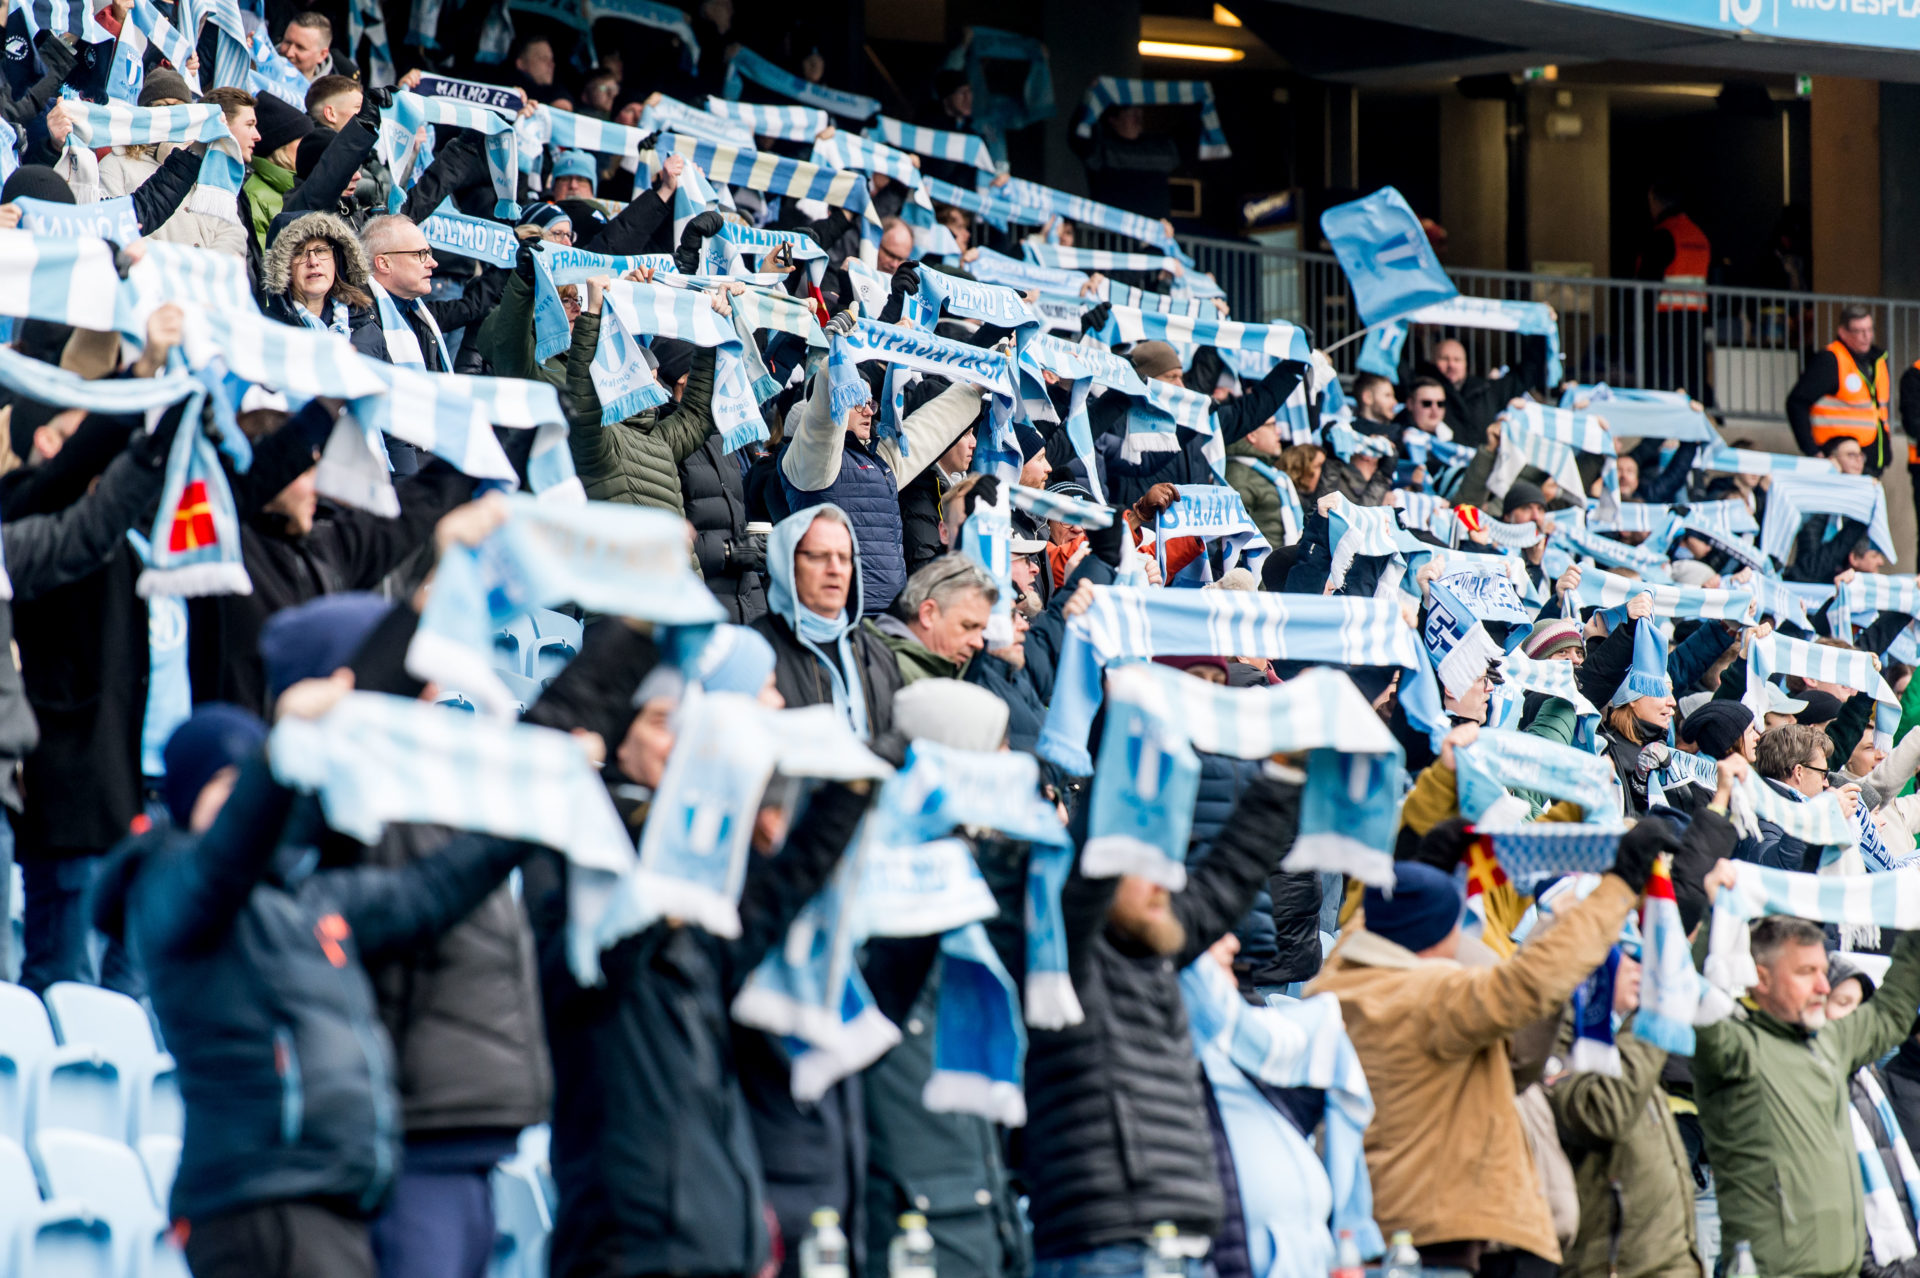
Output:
x,y
1741,354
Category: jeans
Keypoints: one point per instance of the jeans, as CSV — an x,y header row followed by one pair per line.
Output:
x,y
59,930
439,1225
1122,1260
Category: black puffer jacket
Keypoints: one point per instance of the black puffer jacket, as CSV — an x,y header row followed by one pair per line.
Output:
x,y
713,490
803,681
1116,1139
256,976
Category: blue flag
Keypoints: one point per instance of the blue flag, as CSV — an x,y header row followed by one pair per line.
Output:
x,y
1384,251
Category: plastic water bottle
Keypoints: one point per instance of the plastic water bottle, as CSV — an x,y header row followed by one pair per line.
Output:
x,y
1743,1260
911,1255
1346,1258
1163,1258
823,1253
1401,1261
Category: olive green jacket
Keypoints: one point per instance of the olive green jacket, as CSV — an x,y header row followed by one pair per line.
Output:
x,y
636,461
1773,1104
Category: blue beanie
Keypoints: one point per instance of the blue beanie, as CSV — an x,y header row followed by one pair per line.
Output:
x,y
215,736
576,164
736,659
1425,906
317,638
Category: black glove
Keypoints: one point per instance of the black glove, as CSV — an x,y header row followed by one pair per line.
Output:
x,y
686,258
150,448
372,102
892,747
1096,318
1633,860
906,279
842,323
987,489
747,556
55,56
523,261
1445,845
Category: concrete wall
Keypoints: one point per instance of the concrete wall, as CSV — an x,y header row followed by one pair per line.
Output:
x,y
1567,177
1845,160
1899,189
1473,181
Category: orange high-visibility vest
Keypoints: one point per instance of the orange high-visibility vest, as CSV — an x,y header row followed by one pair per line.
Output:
x,y
1692,256
1858,410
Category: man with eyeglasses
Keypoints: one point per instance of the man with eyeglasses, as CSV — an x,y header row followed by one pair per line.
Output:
x,y
1793,760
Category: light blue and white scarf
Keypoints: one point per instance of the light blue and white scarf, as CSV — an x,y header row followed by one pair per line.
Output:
x,y
112,219
845,150
1877,900
670,115
1109,91
1886,1223
991,303
366,20
1674,997
187,276
1079,259
1033,204
272,73
1523,674
627,561
1380,353
375,760
760,120
450,231
1210,512
1167,304
555,265
1059,508
403,344
1296,1044
986,203
998,268
1643,414
1745,461
1779,654
232,59
1605,590
1373,531
1793,497
938,144
1456,641
745,64
1873,592
669,312
1145,787
1125,324
776,175
1651,566
1499,762
146,26
653,16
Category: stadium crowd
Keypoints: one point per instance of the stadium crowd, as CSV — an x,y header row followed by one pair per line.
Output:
x,y
718,626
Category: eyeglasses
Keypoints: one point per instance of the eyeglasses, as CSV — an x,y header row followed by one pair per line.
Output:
x,y
1814,767
316,253
556,233
421,255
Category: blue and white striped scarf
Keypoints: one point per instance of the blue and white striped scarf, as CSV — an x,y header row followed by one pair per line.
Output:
x,y
502,140
998,268
629,561
1521,448
1127,295
146,26
1605,590
232,59
1729,516
272,73
992,303
1628,516
1210,512
1499,762
59,280
1296,1044
1534,853
375,760
1674,996
1126,622
1032,204
555,265
776,175
1523,674
1745,461
1353,531
1380,353
748,65
1059,508
1873,592
938,144
112,219
1109,91
1125,324
1506,536
1079,259
186,275
1651,566
571,131
1143,792
367,21
1873,900
403,344
670,115
986,203
657,309
844,150
1892,1241
1793,497
64,17
1292,519
1779,654
1644,414
1772,598
760,120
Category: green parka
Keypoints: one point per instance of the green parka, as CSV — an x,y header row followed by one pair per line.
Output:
x,y
636,461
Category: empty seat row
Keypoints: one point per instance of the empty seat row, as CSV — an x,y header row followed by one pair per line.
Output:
x,y
87,1207
86,1060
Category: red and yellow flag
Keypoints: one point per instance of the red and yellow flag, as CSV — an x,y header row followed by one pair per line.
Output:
x,y
192,520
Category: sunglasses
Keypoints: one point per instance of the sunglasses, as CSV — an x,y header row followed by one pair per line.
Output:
x,y
1429,403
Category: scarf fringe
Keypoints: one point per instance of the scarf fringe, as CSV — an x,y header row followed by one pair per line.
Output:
x,y
637,400
214,201
1051,1001
854,1046
194,580
1332,851
1109,856
1591,1056
693,903
996,1100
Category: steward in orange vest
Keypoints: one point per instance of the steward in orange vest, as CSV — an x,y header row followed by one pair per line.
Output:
x,y
1845,393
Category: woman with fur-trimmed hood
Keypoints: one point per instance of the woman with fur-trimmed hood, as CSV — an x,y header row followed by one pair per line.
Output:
x,y
314,275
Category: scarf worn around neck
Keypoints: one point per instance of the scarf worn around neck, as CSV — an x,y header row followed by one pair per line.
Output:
x,y
809,627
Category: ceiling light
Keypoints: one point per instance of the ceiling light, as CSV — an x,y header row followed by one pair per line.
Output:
x,y
1224,17
1190,52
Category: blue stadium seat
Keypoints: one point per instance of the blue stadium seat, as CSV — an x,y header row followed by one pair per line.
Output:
x,y
513,645
38,1238
160,1155
522,1223
120,1029
557,643
26,1039
524,690
109,1179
